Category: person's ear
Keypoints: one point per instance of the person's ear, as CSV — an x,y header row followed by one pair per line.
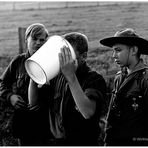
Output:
x,y
134,50
84,55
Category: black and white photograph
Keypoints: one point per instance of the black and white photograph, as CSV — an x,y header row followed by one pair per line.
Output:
x,y
73,73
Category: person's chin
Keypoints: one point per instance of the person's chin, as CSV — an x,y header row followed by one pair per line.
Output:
x,y
32,53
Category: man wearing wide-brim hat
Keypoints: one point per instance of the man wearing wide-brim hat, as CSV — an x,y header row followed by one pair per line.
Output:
x,y
128,110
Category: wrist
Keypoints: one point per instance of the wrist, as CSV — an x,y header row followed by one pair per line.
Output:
x,y
72,79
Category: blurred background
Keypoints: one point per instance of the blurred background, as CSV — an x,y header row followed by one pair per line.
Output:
x,y
96,19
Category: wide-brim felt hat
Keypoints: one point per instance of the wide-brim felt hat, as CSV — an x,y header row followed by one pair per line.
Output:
x,y
127,37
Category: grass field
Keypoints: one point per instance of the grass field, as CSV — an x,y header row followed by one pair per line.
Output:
x,y
95,21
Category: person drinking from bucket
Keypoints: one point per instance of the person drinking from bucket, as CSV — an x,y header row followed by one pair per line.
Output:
x,y
128,111
75,97
14,84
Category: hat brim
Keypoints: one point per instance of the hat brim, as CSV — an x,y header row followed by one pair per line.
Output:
x,y
137,41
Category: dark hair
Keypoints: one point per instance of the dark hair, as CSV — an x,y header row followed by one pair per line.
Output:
x,y
78,41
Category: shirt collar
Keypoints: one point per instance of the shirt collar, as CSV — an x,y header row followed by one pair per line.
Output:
x,y
141,65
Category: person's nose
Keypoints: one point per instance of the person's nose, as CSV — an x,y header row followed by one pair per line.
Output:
x,y
39,42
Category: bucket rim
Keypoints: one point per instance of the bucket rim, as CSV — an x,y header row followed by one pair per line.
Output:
x,y
33,76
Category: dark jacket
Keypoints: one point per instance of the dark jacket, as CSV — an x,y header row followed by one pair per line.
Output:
x,y
15,80
128,118
66,122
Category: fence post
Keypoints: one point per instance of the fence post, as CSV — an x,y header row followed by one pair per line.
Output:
x,y
66,4
22,43
13,6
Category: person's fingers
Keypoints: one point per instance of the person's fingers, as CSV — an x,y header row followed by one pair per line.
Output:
x,y
34,108
63,55
20,104
61,60
66,53
69,54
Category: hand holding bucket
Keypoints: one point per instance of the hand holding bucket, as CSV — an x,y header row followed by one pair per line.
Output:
x,y
44,64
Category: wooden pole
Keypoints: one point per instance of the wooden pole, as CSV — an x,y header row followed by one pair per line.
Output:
x,y
22,43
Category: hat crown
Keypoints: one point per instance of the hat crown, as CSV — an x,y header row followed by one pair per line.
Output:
x,y
126,33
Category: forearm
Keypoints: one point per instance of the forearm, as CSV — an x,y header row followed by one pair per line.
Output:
x,y
85,105
33,93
